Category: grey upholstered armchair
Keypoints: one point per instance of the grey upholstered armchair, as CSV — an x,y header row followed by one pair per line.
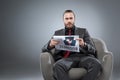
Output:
x,y
106,58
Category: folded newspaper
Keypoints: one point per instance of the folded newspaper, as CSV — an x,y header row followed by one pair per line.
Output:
x,y
68,43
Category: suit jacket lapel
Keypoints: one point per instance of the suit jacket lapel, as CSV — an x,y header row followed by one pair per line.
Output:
x,y
79,32
76,31
62,32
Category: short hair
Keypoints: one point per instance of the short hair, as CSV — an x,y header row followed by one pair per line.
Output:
x,y
69,11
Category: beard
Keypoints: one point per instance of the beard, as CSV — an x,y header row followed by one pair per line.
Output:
x,y
69,25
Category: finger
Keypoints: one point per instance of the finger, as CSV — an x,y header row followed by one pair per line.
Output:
x,y
54,40
80,39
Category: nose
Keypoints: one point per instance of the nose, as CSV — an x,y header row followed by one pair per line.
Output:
x,y
69,20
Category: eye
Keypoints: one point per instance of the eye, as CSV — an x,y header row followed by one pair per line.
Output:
x,y
71,18
66,18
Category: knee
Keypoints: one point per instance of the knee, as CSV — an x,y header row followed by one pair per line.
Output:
x,y
59,64
92,63
62,65
97,65
56,65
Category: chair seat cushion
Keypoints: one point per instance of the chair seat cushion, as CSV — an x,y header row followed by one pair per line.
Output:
x,y
77,73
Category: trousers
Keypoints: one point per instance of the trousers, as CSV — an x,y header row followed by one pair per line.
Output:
x,y
62,66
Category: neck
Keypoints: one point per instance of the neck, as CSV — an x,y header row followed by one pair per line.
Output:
x,y
69,27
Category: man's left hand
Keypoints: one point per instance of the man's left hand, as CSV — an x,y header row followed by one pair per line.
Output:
x,y
81,42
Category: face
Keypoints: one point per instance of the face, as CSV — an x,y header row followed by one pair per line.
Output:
x,y
69,19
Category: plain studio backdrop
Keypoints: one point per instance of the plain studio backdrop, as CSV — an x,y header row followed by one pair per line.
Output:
x,y
26,25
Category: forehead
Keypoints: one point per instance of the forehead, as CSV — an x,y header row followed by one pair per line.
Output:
x,y
68,14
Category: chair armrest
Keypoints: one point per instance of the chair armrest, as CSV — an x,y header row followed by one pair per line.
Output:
x,y
46,63
107,65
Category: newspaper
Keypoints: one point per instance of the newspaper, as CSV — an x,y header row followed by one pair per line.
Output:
x,y
68,43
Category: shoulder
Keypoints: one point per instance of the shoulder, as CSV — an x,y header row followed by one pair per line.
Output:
x,y
79,28
82,30
59,32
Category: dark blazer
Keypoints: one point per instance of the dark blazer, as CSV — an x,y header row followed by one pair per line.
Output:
x,y
89,49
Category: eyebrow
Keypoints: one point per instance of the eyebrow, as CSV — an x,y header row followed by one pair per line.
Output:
x,y
69,18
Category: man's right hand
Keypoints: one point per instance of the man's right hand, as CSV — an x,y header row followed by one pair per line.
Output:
x,y
53,43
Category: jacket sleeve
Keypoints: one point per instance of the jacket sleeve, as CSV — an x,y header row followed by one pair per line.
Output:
x,y
56,55
89,47
46,47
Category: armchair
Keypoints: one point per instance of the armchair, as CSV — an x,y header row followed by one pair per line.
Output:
x,y
105,57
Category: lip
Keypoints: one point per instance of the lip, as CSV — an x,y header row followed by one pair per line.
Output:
x,y
69,24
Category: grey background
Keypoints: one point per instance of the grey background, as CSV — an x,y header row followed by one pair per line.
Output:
x,y
26,25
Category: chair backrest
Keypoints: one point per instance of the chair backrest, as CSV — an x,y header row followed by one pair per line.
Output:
x,y
101,47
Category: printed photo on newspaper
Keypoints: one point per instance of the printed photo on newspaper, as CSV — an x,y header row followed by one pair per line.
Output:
x,y
68,43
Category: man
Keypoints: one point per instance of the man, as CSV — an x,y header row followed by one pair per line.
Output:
x,y
64,60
